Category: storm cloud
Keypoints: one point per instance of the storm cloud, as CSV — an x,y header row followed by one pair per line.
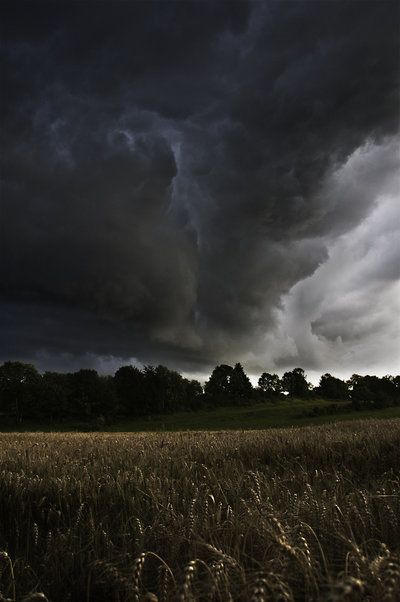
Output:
x,y
194,182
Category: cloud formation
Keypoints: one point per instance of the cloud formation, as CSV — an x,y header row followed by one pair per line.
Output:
x,y
345,315
190,183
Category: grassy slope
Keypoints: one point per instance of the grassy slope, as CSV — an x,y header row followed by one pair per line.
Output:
x,y
258,416
285,413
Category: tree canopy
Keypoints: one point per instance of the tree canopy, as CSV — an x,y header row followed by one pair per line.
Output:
x,y
25,394
295,383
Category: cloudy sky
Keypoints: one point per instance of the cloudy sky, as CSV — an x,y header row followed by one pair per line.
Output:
x,y
193,183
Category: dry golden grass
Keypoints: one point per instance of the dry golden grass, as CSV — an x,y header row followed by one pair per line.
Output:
x,y
297,514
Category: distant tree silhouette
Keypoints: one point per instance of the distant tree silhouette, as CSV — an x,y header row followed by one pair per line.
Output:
x,y
95,399
270,384
331,387
240,387
106,406
295,383
129,385
19,387
85,387
56,396
228,385
359,391
194,394
384,390
218,386
396,384
159,392
372,390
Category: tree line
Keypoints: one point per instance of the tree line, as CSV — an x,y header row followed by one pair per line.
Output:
x,y
54,397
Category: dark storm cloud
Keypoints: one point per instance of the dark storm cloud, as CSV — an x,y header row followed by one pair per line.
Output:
x,y
171,170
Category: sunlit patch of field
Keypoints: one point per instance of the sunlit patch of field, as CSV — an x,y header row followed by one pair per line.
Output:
x,y
297,514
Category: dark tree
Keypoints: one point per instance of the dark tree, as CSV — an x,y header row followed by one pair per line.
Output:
x,y
360,393
270,383
396,383
129,384
165,390
106,404
194,394
228,385
295,383
154,390
19,388
385,391
240,387
86,393
217,388
331,387
55,396
372,390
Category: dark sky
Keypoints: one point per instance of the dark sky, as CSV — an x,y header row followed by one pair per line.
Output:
x,y
194,183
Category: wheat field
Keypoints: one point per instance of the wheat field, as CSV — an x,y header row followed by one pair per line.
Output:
x,y
292,514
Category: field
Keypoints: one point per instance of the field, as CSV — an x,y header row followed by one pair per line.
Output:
x,y
307,513
282,413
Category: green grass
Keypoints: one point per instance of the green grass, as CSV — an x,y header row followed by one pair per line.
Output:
x,y
280,414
